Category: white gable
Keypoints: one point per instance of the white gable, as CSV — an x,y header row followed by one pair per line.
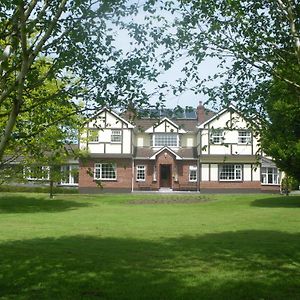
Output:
x,y
166,149
165,126
226,118
108,119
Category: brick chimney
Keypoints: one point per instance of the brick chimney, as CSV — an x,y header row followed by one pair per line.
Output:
x,y
130,112
201,113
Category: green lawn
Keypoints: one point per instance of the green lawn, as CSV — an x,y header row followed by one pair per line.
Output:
x,y
111,247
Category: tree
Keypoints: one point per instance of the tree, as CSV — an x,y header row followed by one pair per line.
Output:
x,y
280,134
257,44
46,148
50,166
71,44
251,39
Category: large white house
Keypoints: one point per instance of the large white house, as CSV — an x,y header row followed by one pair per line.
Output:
x,y
197,150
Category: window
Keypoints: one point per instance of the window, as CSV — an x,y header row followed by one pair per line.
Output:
x,y
37,173
230,172
69,175
93,136
244,137
193,173
140,173
106,171
116,136
216,136
166,139
269,176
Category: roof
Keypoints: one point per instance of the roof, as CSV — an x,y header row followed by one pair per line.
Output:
x,y
221,158
177,113
188,121
147,152
69,149
121,118
165,119
187,125
166,149
267,162
108,156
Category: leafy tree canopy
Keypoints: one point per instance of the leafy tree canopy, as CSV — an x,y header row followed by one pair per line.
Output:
x,y
69,45
257,47
254,42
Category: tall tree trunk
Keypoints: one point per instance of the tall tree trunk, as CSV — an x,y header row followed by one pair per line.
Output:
x,y
51,194
9,127
20,80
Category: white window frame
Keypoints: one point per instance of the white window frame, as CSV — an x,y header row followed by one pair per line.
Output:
x,y
217,136
165,139
193,174
116,136
70,176
244,137
93,135
269,173
236,174
45,169
140,173
98,169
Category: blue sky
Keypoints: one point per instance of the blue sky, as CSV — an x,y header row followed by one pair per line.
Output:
x,y
188,98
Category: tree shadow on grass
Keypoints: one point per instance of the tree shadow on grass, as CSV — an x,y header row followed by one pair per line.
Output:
x,y
28,204
284,201
230,265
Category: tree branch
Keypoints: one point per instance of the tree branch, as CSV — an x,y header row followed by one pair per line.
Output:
x,y
288,10
30,8
48,31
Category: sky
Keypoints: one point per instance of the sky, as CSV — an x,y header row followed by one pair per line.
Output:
x,y
188,98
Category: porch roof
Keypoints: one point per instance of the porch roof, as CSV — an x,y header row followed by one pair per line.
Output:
x,y
112,155
247,159
267,162
183,153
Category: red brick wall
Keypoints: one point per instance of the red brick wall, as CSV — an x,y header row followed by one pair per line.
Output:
x,y
230,185
165,159
270,188
124,174
148,184
183,175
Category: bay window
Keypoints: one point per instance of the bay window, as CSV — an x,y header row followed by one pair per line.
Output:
x,y
269,175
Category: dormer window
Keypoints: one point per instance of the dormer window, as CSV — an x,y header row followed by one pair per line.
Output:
x,y
116,136
165,139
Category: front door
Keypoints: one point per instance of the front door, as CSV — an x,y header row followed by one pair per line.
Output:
x,y
165,176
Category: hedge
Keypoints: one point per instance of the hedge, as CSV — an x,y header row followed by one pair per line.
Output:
x,y
37,189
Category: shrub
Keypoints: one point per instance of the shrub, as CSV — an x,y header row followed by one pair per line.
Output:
x,y
37,189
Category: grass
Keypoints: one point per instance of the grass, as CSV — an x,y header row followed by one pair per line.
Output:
x,y
116,247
